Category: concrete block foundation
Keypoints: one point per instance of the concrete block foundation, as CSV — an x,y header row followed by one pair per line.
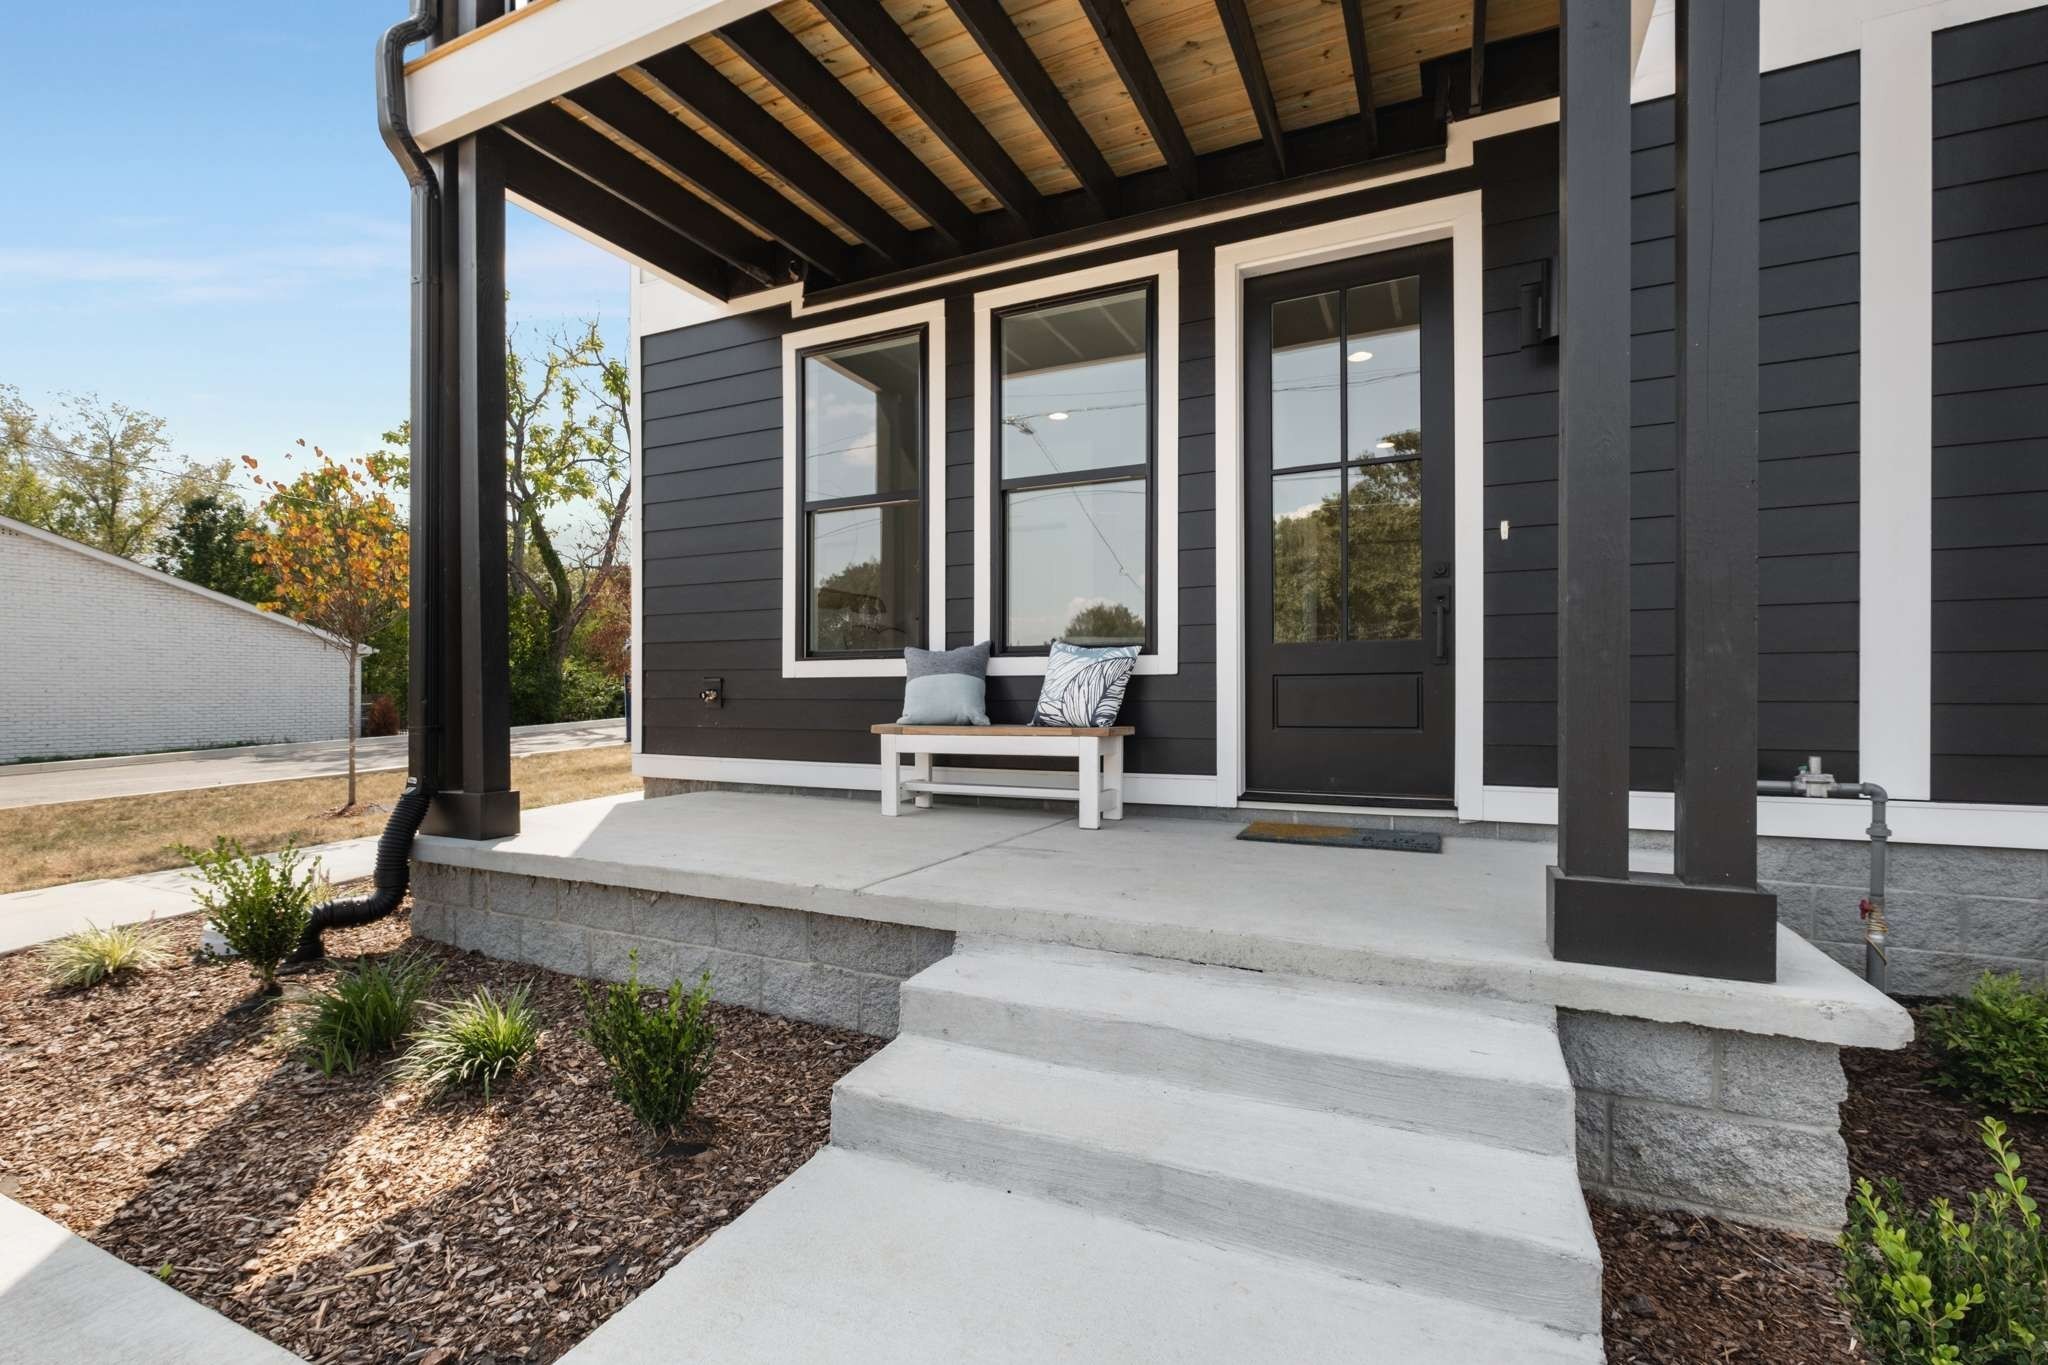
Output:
x,y
1739,1125
821,968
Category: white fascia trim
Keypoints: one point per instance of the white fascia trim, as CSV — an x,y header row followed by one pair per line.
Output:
x,y
548,53
8,525
1458,219
1964,824
1164,270
1151,789
932,317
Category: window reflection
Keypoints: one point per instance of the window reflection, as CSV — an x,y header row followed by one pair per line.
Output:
x,y
1076,565
1383,368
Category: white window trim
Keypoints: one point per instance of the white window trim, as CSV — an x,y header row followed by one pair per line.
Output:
x,y
1163,270
1456,219
931,492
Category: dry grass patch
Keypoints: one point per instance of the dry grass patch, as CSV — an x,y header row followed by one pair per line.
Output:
x,y
123,835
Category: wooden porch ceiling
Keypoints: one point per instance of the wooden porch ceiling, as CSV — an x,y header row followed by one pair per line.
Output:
x,y
838,142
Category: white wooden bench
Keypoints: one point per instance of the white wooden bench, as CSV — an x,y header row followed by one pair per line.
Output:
x,y
1098,753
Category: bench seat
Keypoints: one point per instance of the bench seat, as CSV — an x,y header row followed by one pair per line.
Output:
x,y
1098,753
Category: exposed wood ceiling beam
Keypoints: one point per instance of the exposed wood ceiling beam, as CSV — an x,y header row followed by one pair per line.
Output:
x,y
1361,73
889,50
697,85
1251,67
714,174
1478,97
770,49
1134,69
562,192
991,28
559,134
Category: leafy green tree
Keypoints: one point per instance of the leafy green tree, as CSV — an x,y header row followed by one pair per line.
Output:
x,y
1104,623
565,443
24,494
117,482
208,544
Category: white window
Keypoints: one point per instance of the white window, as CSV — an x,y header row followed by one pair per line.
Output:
x,y
1075,444
863,543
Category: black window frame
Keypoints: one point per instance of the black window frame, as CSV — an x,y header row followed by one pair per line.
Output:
x,y
806,508
999,488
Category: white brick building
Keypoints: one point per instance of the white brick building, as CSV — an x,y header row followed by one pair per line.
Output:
x,y
101,655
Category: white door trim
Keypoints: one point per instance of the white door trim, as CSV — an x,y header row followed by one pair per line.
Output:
x,y
1454,218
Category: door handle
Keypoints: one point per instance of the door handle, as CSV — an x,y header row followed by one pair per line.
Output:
x,y
1443,636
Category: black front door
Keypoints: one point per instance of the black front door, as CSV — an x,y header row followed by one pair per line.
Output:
x,y
1348,530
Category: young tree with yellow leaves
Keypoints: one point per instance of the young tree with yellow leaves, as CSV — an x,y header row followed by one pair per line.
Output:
x,y
338,549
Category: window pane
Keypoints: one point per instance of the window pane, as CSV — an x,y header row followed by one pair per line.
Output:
x,y
1076,568
1306,573
1075,386
1383,368
1386,551
862,419
1305,366
866,584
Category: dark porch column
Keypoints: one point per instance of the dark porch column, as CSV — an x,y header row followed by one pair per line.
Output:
x,y
459,507
1709,919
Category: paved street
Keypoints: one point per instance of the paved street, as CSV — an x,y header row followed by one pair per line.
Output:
x,y
40,784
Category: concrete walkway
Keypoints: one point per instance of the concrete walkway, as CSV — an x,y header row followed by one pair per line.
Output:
x,y
63,1299
29,917
89,779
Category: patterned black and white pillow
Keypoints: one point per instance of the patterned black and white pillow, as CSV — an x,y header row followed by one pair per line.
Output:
x,y
1084,687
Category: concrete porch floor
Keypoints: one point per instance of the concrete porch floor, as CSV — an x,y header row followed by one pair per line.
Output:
x,y
1469,920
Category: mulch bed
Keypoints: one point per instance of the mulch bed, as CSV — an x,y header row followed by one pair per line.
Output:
x,y
346,1219
1681,1290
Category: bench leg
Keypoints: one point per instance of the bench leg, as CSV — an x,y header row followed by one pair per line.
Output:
x,y
1091,783
1113,777
892,776
921,771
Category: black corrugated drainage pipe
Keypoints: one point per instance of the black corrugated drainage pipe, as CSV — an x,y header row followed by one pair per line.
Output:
x,y
394,845
1811,781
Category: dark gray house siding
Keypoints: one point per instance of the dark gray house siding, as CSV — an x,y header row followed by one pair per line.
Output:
x,y
1807,617
1990,613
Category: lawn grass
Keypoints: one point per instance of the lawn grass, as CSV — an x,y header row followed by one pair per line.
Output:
x,y
123,835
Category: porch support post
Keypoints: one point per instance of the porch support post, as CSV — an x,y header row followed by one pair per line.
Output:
x,y
1710,919
1593,444
466,480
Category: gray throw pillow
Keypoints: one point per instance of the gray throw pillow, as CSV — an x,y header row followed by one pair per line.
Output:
x,y
945,687
1084,687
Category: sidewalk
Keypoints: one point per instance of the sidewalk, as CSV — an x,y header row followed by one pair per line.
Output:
x,y
89,779
48,912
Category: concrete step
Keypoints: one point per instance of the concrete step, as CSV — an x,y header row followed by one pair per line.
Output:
x,y
1490,1071
1502,1229
855,1259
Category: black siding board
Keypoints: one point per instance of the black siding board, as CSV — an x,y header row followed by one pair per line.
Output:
x,y
1990,612
1809,435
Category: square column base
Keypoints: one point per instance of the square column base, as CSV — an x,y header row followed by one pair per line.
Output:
x,y
1660,924
473,815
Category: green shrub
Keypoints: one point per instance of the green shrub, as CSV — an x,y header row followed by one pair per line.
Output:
x,y
93,955
367,1010
259,903
1992,1044
1927,1287
477,1041
657,1055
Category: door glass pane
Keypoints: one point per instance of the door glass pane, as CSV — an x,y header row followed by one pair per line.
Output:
x,y
861,418
865,579
1306,573
1383,368
1075,386
1076,566
1385,544
1306,409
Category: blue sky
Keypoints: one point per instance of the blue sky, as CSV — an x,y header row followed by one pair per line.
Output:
x,y
203,223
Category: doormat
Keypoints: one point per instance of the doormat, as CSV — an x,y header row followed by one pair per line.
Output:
x,y
1342,836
